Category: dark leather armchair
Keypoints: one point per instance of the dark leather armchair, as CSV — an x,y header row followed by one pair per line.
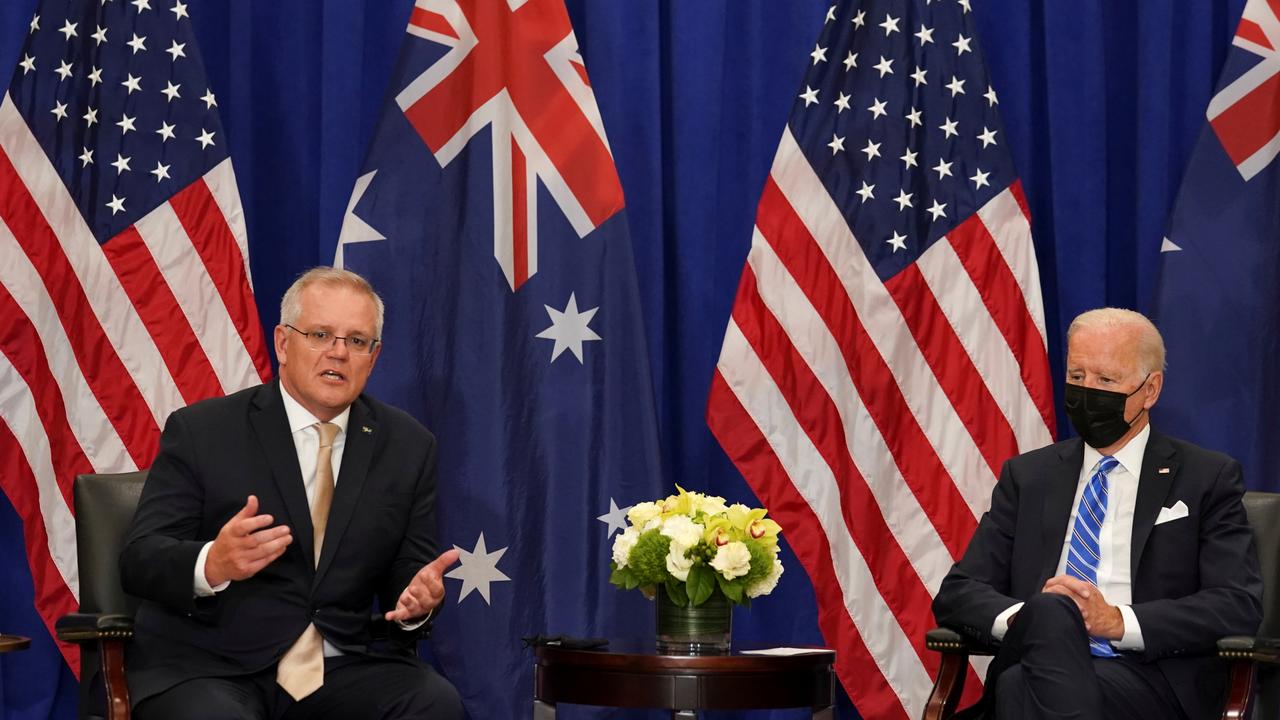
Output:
x,y
1254,661
104,508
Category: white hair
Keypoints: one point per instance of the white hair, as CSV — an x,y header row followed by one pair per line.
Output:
x,y
291,303
1150,344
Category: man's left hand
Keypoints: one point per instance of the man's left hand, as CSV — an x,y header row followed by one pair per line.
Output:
x,y
425,590
1100,619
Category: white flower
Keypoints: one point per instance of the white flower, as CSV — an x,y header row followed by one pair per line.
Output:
x,y
622,546
766,584
682,530
677,563
641,513
709,504
732,560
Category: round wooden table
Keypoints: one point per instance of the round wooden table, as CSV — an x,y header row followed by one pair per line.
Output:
x,y
682,684
13,643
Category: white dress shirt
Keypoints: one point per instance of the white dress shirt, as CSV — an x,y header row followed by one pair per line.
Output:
x,y
1115,539
306,442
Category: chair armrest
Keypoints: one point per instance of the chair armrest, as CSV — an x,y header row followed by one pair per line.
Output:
x,y
92,627
946,640
1245,647
944,700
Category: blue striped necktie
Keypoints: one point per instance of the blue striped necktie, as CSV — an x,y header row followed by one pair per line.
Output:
x,y
1085,548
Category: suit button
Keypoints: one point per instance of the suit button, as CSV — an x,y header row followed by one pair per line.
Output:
x,y
315,614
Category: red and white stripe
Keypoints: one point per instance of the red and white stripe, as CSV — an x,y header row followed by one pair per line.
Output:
x,y
101,342
872,417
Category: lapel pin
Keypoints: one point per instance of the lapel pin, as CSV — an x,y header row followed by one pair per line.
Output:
x,y
369,431
1163,471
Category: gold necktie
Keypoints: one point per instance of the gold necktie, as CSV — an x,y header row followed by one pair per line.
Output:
x,y
301,670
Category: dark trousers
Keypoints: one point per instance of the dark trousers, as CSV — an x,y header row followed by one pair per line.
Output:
x,y
1044,670
355,687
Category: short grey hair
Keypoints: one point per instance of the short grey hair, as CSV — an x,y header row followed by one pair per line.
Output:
x,y
291,303
1150,344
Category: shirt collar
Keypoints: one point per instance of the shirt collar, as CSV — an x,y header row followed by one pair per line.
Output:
x,y
300,417
1129,456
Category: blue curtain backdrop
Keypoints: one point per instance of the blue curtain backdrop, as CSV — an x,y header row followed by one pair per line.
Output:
x,y
1102,103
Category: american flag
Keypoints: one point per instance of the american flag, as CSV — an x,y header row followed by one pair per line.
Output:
x,y
886,351
125,282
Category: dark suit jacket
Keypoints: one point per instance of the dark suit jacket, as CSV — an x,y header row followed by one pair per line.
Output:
x,y
213,455
1195,579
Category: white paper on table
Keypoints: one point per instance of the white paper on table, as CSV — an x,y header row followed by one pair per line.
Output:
x,y
785,651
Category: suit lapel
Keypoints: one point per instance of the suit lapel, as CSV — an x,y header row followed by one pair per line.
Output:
x,y
362,430
1059,495
1159,468
271,426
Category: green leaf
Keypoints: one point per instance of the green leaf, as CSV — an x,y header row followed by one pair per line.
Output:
x,y
624,578
732,589
676,591
701,583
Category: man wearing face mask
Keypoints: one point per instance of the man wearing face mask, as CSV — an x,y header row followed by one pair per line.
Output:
x,y
1109,564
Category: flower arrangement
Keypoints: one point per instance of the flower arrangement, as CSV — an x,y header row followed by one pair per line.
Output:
x,y
691,544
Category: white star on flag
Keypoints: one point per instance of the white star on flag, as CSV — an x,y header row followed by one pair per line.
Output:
x,y
477,570
867,191
569,328
616,518
898,241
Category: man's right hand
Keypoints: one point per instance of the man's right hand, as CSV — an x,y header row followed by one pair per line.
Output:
x,y
245,545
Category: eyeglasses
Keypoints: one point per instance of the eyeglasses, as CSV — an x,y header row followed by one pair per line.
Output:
x,y
323,340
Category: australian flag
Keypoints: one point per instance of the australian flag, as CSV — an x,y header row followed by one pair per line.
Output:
x,y
1218,304
489,215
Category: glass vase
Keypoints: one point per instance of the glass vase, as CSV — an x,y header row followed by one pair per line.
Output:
x,y
694,630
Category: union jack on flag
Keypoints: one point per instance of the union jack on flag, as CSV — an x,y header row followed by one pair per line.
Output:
x,y
886,351
1242,113
514,68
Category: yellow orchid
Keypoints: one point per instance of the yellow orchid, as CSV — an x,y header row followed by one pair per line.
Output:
x,y
682,504
742,516
719,531
765,531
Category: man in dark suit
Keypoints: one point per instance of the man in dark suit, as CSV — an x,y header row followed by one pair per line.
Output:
x,y
1108,566
270,521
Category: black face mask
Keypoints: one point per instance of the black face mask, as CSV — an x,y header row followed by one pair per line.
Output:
x,y
1098,415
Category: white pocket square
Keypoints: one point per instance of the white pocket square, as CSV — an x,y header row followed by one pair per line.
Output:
x,y
1174,512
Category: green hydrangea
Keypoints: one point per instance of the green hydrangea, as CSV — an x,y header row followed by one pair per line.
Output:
x,y
648,562
761,562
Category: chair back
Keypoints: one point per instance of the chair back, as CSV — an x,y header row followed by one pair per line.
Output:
x,y
104,510
1263,509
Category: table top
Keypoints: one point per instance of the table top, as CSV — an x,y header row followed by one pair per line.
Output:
x,y
634,675
633,657
13,643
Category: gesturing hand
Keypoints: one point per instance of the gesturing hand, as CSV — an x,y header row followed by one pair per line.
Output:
x,y
1100,619
245,545
425,590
